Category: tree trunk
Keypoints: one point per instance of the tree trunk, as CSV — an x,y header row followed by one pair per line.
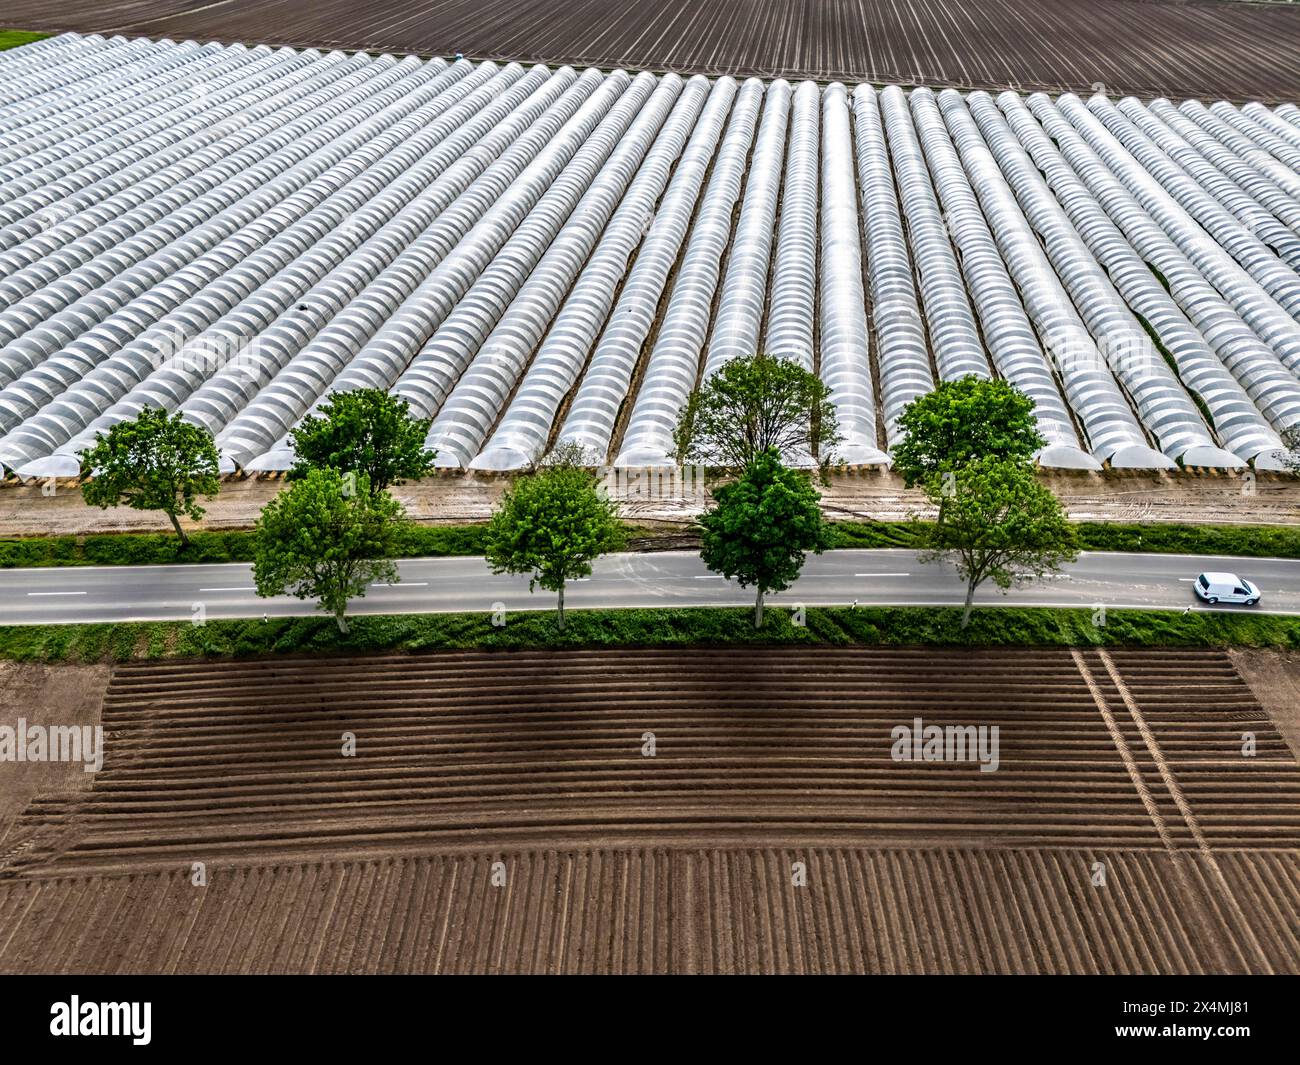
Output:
x,y
340,620
185,540
758,608
561,604
970,598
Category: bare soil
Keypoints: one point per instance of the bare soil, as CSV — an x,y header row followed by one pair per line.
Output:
x,y
45,695
1147,47
771,830
31,510
1274,678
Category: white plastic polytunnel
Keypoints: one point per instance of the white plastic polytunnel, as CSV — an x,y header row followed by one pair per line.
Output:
x,y
842,322
793,294
536,256
1236,421
673,366
1223,322
521,435
1257,185
901,349
1112,431
499,322
489,151
1006,327
1258,308
1278,279
1242,147
739,316
954,336
593,412
1137,361
1245,208
1265,134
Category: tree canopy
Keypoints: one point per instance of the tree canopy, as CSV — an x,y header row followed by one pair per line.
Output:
x,y
153,462
997,522
552,524
762,526
326,538
961,421
369,433
752,405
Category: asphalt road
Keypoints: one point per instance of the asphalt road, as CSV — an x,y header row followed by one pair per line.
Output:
x,y
671,578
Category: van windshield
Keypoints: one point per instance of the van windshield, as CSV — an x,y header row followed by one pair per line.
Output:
x,y
1204,582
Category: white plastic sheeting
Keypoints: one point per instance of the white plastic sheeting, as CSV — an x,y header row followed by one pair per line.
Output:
x,y
842,321
674,363
353,301
522,432
1258,185
541,256
590,421
954,336
902,351
739,317
1278,279
1236,421
1241,146
1113,432
793,296
499,322
1068,162
1006,327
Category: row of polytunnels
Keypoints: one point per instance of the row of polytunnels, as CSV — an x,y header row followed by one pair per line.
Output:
x,y
535,256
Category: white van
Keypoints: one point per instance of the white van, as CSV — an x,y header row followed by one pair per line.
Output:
x,y
1226,588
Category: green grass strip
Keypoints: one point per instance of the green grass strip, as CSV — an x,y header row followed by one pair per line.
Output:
x,y
145,549
15,38
826,626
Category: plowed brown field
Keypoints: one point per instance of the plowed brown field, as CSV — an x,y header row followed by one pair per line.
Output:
x,y
1126,765
1129,46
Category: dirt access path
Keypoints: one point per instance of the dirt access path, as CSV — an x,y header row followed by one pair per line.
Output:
x,y
27,510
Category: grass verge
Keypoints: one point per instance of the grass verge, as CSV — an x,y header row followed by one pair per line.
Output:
x,y
14,38
146,549
1252,541
827,626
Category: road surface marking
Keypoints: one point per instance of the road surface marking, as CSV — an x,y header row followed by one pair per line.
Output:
x,y
711,577
56,593
882,574
227,589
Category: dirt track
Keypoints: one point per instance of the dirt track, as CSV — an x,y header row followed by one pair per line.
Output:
x,y
1150,47
619,862
26,511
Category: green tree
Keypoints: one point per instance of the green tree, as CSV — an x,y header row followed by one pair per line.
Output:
x,y
961,421
762,527
997,522
751,405
1291,442
552,525
154,462
369,433
326,538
